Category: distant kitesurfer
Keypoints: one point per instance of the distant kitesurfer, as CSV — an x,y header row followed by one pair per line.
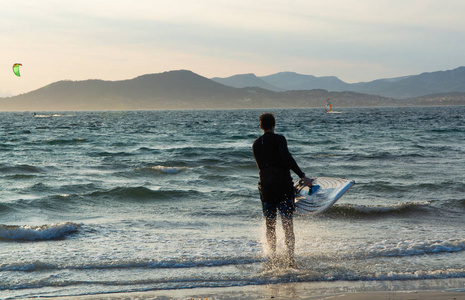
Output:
x,y
276,186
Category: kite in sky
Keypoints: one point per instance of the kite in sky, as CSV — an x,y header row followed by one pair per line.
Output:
x,y
16,69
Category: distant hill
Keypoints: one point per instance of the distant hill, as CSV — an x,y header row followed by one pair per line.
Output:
x,y
400,88
247,80
186,90
294,81
439,82
166,90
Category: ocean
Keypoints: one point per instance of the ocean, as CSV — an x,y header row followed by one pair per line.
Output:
x,y
102,202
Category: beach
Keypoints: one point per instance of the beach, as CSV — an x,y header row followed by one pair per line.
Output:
x,y
309,291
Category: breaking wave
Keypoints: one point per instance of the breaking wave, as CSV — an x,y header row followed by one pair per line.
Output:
x,y
37,233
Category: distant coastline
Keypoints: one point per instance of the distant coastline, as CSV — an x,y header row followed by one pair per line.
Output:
x,y
184,89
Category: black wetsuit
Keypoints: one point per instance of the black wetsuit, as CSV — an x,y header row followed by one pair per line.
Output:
x,y
275,162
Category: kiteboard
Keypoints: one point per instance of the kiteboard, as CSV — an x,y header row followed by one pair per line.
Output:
x,y
323,194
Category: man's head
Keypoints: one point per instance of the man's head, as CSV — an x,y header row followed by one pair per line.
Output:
x,y
267,121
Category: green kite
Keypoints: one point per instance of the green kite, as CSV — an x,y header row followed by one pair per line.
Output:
x,y
16,69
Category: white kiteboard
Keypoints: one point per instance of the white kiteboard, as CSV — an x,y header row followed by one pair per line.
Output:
x,y
324,193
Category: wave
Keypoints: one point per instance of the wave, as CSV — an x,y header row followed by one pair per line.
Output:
x,y
20,169
4,207
163,169
34,233
72,202
383,156
422,274
397,187
141,193
402,248
63,141
414,248
109,154
50,116
447,130
132,264
353,210
309,270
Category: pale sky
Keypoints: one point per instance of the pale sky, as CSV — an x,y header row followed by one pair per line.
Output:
x,y
355,40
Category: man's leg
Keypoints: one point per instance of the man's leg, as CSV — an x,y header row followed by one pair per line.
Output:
x,y
270,213
271,233
288,227
287,209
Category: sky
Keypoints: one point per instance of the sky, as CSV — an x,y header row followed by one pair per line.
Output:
x,y
355,40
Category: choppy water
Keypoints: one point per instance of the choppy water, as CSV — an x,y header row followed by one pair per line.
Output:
x,y
95,202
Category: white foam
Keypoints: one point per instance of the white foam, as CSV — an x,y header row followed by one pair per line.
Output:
x,y
421,274
168,170
411,248
31,233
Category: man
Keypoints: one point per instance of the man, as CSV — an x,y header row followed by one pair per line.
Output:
x,y
276,186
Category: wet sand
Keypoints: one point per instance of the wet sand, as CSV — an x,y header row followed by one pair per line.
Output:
x,y
398,290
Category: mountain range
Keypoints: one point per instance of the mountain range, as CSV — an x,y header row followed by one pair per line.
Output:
x,y
398,88
184,89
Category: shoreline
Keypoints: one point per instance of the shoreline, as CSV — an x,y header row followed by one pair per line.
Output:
x,y
450,289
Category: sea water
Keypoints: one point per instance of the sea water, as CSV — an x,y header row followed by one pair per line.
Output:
x,y
99,202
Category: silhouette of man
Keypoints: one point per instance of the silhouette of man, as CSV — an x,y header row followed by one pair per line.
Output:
x,y
276,186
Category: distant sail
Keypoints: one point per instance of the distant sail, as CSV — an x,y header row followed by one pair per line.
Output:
x,y
328,106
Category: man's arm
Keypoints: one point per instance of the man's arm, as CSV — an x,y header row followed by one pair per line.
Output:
x,y
286,155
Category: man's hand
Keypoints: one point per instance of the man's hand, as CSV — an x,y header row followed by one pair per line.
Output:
x,y
306,181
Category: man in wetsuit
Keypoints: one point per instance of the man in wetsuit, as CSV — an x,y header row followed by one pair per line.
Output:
x,y
276,186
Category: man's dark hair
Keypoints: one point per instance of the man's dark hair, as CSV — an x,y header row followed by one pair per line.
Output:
x,y
267,121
